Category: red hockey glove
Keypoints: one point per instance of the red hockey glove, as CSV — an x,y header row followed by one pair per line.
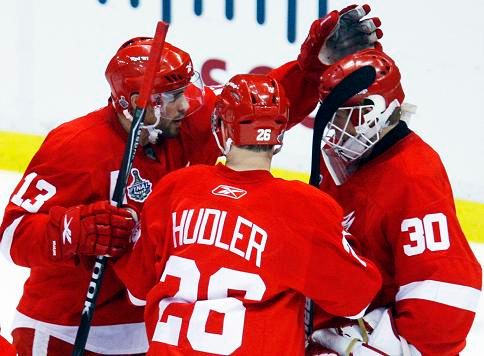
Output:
x,y
90,230
336,35
377,337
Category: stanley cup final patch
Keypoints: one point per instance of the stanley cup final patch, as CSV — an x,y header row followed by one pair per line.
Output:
x,y
140,188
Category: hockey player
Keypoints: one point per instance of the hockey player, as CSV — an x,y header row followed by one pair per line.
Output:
x,y
398,204
226,251
59,215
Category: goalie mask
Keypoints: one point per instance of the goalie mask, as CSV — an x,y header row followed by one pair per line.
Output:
x,y
252,109
357,126
175,77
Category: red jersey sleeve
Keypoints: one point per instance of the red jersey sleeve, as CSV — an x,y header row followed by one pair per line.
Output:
x,y
303,94
199,145
437,275
137,268
54,177
6,348
324,261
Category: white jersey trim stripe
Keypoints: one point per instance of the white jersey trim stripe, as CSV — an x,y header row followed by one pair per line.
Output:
x,y
136,301
359,315
117,339
40,344
7,239
454,295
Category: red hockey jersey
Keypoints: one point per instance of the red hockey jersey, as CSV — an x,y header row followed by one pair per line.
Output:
x,y
400,208
224,263
6,348
78,164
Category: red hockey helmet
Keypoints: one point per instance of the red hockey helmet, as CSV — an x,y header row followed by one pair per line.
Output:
x,y
126,69
254,109
387,82
358,125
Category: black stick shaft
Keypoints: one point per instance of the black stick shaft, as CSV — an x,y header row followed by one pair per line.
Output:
x,y
89,305
351,85
100,264
119,190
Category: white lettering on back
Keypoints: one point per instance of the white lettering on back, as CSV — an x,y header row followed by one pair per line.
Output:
x,y
247,239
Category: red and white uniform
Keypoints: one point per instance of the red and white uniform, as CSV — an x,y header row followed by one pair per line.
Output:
x,y
78,164
224,263
400,208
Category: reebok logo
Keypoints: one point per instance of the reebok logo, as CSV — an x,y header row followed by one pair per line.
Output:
x,y
229,192
54,248
348,220
67,234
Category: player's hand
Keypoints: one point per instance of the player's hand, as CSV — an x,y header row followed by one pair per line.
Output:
x,y
337,35
89,230
378,337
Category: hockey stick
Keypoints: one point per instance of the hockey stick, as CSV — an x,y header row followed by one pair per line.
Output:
x,y
351,85
118,196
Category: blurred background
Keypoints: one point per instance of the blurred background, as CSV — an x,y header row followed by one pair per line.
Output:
x,y
54,53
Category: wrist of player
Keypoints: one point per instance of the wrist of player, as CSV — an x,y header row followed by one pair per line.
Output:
x,y
89,230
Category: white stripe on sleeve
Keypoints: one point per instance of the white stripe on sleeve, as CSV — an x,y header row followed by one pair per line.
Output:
x,y
454,295
7,239
359,315
136,301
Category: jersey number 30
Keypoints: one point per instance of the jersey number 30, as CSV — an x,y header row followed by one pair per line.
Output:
x,y
421,232
217,300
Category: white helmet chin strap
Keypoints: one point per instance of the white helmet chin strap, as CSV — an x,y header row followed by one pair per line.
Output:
x,y
227,146
228,143
153,132
215,135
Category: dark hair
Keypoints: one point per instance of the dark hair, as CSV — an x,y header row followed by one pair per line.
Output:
x,y
257,148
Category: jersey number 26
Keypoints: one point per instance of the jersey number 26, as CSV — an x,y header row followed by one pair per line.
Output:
x,y
217,300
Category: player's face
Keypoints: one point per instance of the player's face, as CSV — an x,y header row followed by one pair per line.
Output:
x,y
341,121
171,109
347,119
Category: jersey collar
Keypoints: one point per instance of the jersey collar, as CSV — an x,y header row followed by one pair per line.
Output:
x,y
242,176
